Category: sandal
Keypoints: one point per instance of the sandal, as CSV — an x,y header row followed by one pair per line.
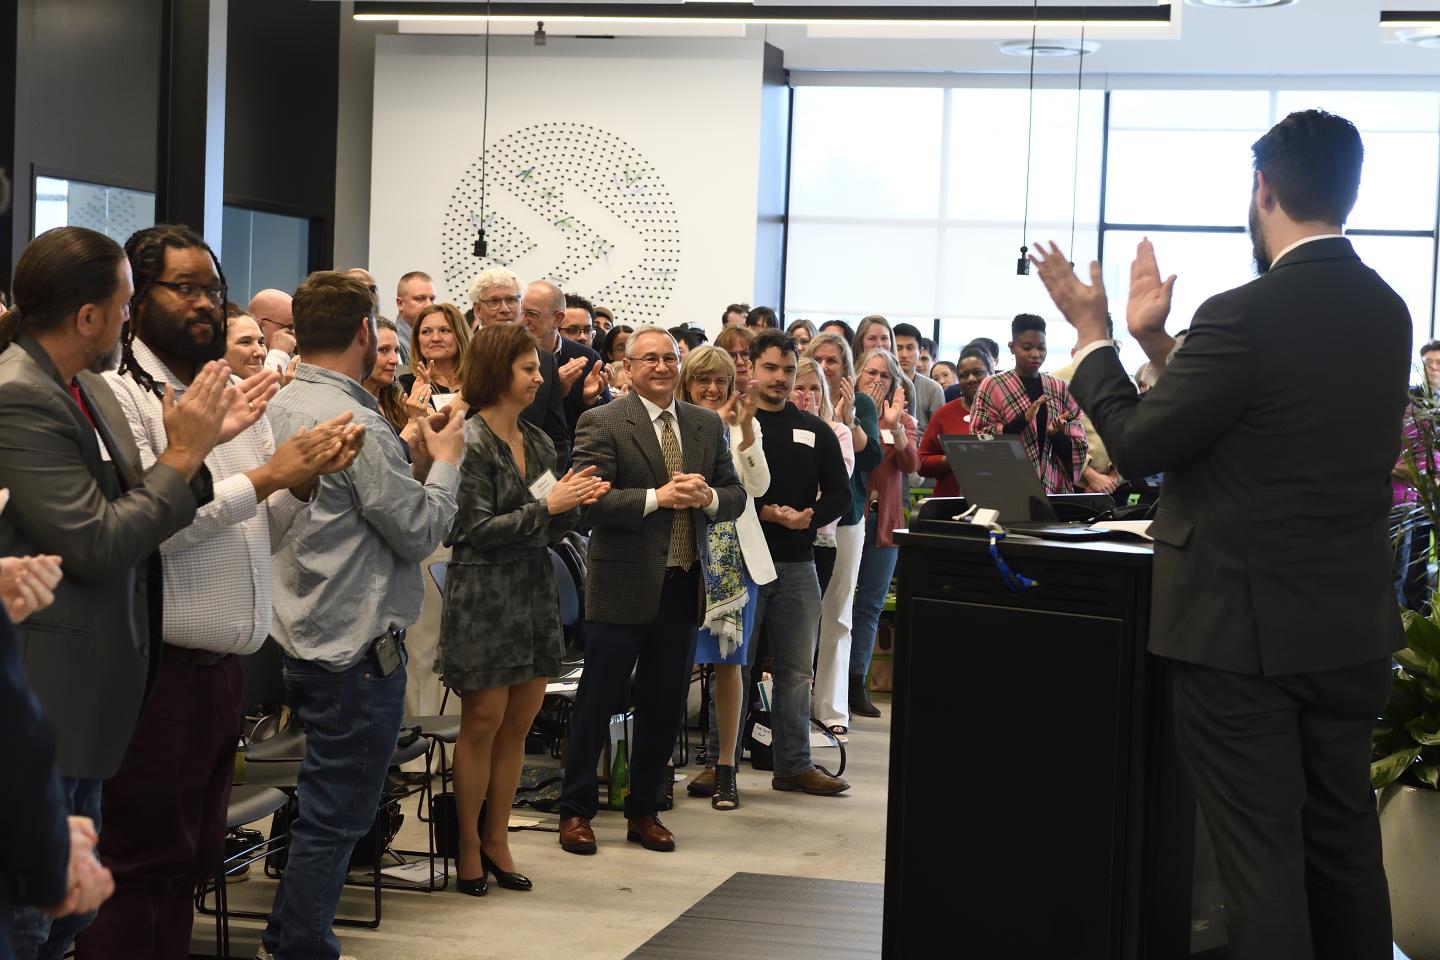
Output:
x,y
727,794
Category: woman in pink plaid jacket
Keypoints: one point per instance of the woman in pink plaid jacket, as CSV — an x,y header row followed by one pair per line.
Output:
x,y
1036,406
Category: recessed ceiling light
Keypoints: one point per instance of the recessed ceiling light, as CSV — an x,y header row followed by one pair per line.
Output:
x,y
1241,4
1423,37
1047,48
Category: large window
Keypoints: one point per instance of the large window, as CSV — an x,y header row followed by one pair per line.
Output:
x,y
263,250
908,201
1201,139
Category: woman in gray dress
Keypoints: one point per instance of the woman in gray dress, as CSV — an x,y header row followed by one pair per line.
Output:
x,y
500,634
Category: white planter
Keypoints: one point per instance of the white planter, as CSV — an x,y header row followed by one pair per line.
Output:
x,y
1410,832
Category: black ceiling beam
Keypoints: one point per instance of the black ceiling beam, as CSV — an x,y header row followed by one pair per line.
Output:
x,y
1149,13
1391,16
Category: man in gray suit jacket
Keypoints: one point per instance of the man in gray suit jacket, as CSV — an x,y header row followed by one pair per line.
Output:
x,y
1272,597
671,476
77,491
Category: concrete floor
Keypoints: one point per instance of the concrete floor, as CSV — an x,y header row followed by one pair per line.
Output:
x,y
604,906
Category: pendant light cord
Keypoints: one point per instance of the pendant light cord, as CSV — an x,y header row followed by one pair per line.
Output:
x,y
484,118
1079,103
1029,130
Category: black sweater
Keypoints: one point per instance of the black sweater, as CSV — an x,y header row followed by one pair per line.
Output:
x,y
803,456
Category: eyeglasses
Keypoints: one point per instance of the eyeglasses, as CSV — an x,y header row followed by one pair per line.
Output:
x,y
578,331
739,356
656,360
493,302
190,292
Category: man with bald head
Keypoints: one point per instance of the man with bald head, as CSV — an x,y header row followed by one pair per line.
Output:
x,y
413,293
583,378
271,309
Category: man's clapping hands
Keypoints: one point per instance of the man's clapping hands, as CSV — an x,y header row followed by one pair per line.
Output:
x,y
88,882
685,490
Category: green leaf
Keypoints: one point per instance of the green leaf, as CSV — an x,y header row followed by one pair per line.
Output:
x,y
1429,774
1425,730
1423,636
1384,772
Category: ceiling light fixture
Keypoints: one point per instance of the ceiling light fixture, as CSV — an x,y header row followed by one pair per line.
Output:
x,y
1421,37
1417,19
1241,4
1047,48
733,12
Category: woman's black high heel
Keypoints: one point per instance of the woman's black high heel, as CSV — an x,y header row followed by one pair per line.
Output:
x,y
727,794
504,880
475,888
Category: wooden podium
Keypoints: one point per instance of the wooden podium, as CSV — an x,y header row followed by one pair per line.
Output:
x,y
1036,805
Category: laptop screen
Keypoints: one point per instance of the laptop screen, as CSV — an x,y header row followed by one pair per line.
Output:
x,y
996,474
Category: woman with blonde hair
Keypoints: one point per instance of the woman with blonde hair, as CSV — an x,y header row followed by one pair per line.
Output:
x,y
886,492
812,395
438,348
830,702
739,564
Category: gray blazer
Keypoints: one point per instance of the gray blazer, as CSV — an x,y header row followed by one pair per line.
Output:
x,y
78,491
626,559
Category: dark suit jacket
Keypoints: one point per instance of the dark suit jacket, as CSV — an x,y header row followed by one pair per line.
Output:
x,y
625,566
78,491
1272,552
34,832
575,398
547,411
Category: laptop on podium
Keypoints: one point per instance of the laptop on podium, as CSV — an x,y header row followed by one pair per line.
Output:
x,y
995,473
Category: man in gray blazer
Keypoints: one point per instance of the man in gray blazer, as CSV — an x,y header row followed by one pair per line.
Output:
x,y
671,476
77,491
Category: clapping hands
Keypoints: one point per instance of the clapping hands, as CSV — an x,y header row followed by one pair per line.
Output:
x,y
27,584
88,882
575,489
685,490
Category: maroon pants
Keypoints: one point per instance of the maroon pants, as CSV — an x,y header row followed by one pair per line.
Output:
x,y
163,814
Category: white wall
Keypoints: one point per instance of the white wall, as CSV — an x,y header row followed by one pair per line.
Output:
x,y
625,169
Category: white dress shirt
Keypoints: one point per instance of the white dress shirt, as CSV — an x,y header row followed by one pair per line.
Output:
x,y
217,570
652,499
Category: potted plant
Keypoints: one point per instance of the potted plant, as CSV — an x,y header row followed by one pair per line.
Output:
x,y
1405,763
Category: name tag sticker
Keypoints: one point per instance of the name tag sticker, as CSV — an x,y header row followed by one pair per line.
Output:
x,y
806,437
886,436
541,488
439,400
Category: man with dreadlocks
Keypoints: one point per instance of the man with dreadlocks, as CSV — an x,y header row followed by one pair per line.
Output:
x,y
78,490
164,811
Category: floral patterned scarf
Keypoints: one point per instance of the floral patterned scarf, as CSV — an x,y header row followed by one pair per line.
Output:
x,y
725,591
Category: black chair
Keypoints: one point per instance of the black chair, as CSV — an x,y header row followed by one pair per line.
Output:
x,y
248,804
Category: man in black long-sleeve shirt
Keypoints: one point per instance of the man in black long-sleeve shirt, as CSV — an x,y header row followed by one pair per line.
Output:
x,y
804,457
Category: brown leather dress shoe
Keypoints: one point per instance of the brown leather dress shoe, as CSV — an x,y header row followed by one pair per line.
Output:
x,y
651,834
703,785
576,835
813,782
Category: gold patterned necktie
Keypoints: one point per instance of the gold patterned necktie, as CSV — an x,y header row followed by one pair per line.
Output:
x,y
682,531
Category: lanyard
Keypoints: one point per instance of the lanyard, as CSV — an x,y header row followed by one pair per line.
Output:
x,y
1014,582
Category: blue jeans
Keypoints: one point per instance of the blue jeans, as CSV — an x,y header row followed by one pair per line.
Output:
x,y
790,604
36,936
877,567
352,720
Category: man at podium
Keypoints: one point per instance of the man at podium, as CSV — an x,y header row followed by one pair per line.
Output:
x,y
1271,599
